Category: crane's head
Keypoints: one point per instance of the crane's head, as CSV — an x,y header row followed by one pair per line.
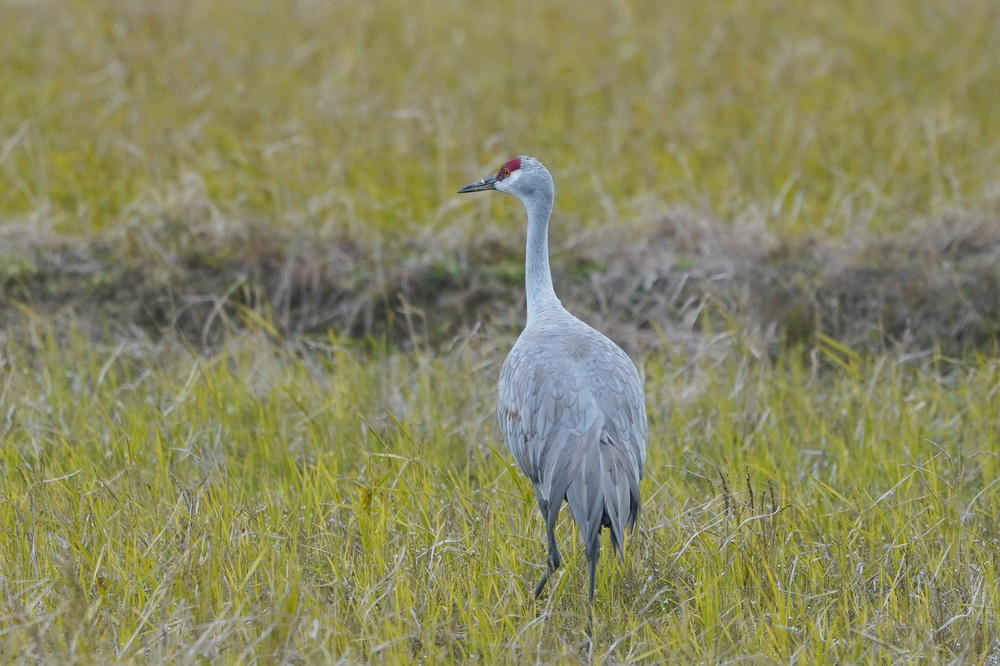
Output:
x,y
523,176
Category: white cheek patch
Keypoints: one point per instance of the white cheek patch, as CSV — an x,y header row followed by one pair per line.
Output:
x,y
509,182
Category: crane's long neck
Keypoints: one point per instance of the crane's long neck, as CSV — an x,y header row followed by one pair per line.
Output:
x,y
538,275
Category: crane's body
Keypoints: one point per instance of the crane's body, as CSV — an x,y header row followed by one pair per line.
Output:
x,y
570,401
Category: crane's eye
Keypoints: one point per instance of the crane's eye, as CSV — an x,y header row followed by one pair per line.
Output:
x,y
506,172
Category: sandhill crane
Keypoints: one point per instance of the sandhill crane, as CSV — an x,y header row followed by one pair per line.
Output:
x,y
570,403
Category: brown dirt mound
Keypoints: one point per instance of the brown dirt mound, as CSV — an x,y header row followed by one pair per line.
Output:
x,y
685,277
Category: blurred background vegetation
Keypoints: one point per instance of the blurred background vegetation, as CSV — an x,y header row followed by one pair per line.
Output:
x,y
157,152
826,118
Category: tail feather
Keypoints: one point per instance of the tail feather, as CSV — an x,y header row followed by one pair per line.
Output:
x,y
620,494
603,493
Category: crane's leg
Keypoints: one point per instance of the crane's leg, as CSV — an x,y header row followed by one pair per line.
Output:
x,y
592,565
592,557
554,561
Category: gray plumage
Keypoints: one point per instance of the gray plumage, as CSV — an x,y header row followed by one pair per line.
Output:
x,y
571,403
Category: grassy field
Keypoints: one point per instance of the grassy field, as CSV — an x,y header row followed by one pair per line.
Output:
x,y
239,489
304,504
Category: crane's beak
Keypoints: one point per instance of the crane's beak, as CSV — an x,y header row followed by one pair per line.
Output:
x,y
488,183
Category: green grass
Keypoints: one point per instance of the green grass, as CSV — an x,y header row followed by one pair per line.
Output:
x,y
313,503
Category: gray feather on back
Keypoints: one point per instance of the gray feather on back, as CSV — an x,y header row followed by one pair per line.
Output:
x,y
571,410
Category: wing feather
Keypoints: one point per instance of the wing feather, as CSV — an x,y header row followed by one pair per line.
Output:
x,y
572,412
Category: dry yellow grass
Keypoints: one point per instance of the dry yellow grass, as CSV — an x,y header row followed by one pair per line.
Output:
x,y
310,503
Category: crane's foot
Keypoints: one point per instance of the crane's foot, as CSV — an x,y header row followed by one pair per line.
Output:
x,y
554,560
542,582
